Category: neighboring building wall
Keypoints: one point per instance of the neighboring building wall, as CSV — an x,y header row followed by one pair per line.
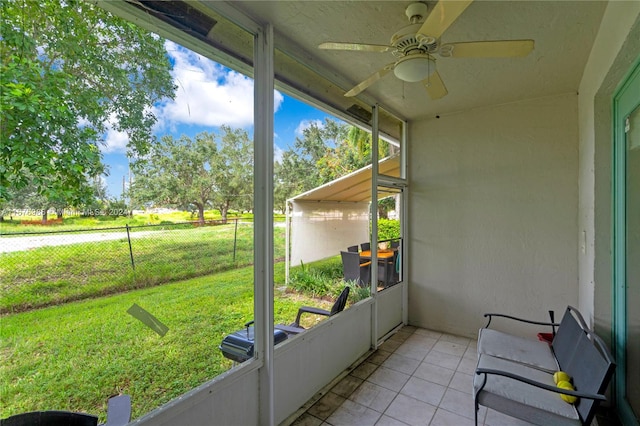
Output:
x,y
616,46
493,214
322,229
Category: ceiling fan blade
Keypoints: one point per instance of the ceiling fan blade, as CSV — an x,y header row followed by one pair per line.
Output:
x,y
442,16
355,46
491,49
435,86
369,81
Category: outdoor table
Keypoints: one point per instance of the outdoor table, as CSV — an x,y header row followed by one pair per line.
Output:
x,y
385,256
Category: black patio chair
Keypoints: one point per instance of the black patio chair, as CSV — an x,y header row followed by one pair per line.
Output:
x,y
352,249
354,269
338,306
365,246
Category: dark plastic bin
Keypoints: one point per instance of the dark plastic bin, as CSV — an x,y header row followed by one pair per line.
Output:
x,y
50,418
238,346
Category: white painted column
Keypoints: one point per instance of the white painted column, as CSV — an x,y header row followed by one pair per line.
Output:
x,y
263,217
374,226
404,221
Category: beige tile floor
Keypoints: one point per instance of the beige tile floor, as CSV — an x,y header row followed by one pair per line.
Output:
x,y
417,377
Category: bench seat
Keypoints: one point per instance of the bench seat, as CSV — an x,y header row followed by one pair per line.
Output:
x,y
517,349
519,399
514,375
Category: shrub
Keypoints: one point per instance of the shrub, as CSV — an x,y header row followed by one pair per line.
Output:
x,y
357,292
324,279
388,229
309,281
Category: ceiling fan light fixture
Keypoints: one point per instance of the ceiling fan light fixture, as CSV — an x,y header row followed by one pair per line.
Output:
x,y
414,68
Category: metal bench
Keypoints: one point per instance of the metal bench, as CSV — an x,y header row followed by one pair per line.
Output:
x,y
515,375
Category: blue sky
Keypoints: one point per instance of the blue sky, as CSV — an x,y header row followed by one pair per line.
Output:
x,y
208,96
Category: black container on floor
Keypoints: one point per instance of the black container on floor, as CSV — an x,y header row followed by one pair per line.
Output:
x,y
238,346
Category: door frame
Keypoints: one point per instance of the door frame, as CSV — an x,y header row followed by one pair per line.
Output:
x,y
625,101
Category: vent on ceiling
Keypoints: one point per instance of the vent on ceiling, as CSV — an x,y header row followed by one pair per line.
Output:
x,y
356,111
178,14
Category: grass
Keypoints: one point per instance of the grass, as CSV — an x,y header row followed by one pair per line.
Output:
x,y
52,275
74,356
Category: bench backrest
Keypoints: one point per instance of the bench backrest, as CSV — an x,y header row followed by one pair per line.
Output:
x,y
583,356
565,341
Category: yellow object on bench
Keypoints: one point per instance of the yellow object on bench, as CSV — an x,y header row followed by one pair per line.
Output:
x,y
561,376
563,384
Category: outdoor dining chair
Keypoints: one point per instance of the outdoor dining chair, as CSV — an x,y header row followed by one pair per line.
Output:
x,y
355,270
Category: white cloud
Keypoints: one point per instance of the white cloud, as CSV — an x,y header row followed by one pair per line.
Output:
x,y
277,153
207,94
305,124
114,140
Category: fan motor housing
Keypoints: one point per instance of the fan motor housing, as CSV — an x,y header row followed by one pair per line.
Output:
x,y
407,41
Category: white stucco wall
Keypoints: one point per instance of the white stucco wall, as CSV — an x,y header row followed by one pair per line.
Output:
x,y
616,46
493,214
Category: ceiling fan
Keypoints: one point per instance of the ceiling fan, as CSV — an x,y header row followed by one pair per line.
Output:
x,y
415,45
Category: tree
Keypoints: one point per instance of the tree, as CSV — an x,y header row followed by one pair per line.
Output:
x,y
207,170
324,153
178,172
307,164
385,206
234,184
24,198
68,71
289,179
352,152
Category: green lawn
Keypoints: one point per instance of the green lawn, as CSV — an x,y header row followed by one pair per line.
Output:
x,y
74,356
85,348
52,275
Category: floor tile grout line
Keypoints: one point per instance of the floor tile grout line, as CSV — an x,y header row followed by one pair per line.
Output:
x,y
396,345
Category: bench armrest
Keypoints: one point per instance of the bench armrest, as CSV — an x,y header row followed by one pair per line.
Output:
x,y
486,371
491,315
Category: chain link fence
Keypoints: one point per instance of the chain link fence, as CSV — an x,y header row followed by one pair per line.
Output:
x,y
45,268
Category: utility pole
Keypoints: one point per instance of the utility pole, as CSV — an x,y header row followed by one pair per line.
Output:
x,y
130,188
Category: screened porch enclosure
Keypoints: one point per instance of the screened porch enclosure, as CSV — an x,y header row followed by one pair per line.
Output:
x,y
507,203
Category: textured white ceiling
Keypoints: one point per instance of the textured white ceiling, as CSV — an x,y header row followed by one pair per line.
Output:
x,y
563,32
